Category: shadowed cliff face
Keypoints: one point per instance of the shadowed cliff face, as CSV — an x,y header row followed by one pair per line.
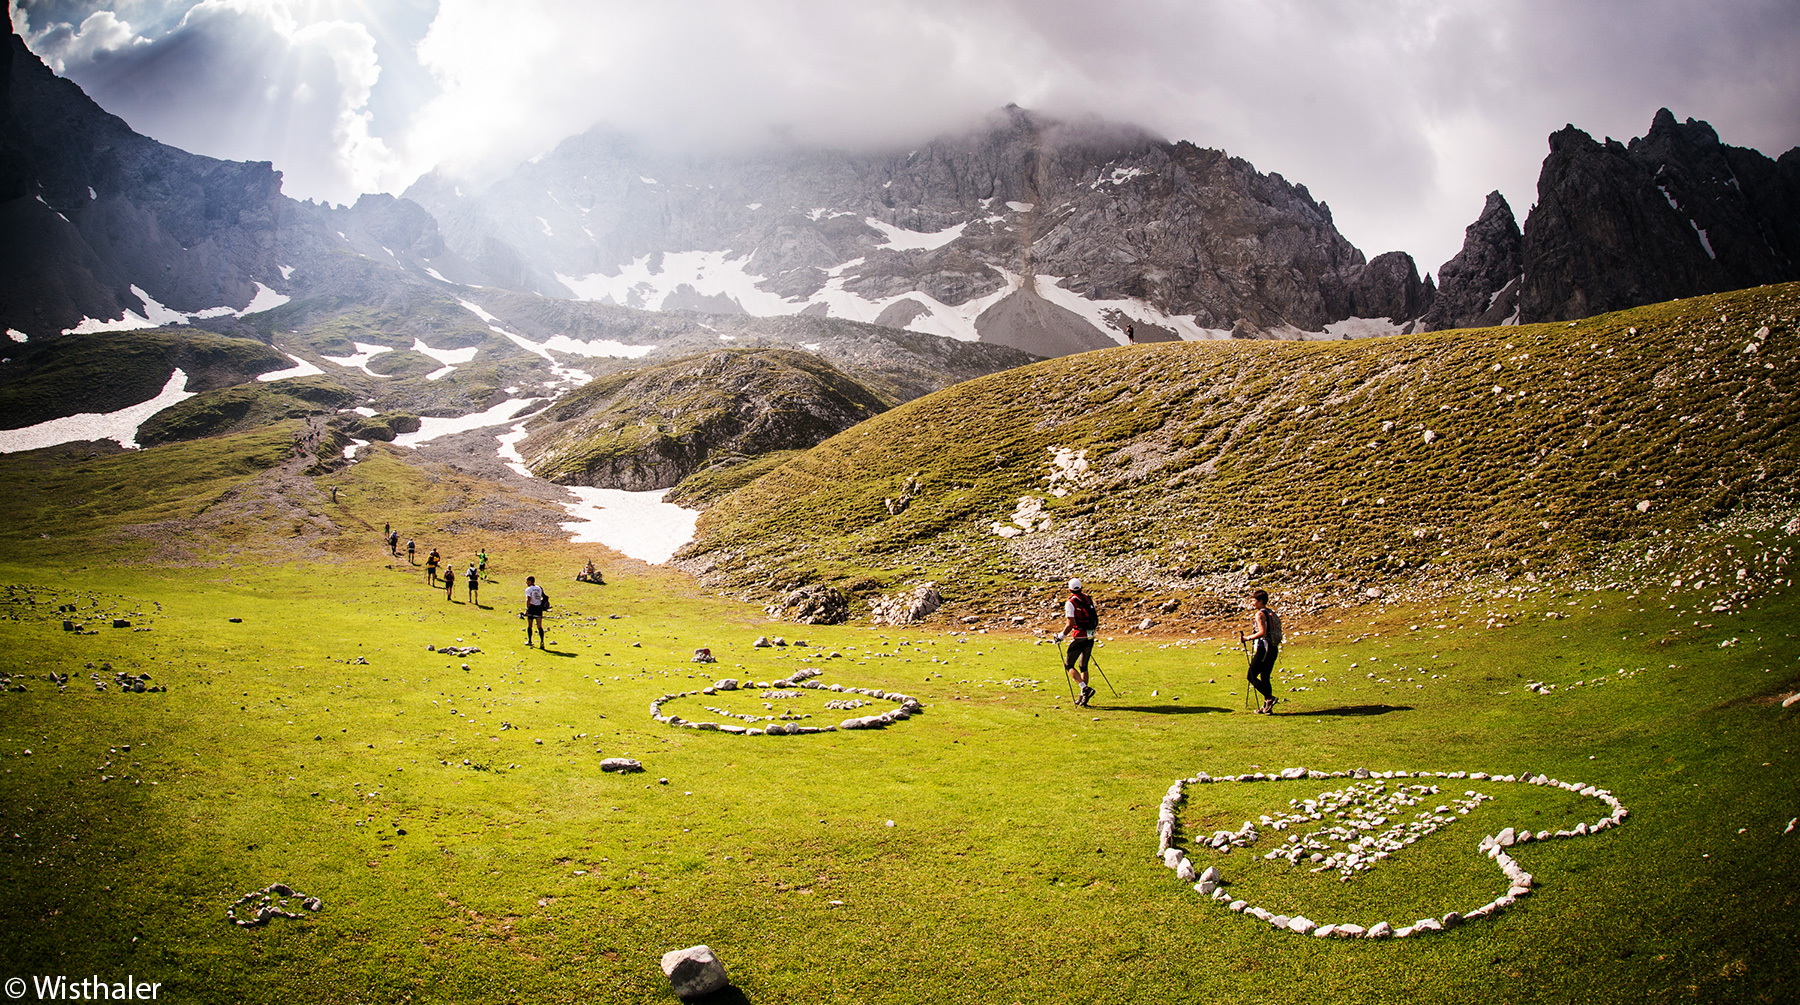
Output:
x,y
1673,214
92,208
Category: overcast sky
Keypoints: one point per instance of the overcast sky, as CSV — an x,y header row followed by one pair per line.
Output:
x,y
1401,114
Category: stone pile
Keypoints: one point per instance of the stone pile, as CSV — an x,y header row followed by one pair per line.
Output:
x,y
454,650
817,604
270,902
704,656
127,683
905,609
1362,809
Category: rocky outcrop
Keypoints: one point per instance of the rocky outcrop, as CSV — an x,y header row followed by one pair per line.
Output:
x,y
1674,213
1388,287
1480,285
649,428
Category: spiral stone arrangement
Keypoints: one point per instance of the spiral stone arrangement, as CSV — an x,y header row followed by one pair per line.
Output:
x,y
270,902
1364,808
908,707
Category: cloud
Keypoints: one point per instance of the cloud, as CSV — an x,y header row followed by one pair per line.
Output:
x,y
240,80
100,33
1402,114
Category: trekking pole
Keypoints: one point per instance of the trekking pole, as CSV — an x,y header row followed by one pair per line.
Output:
x,y
1246,649
1103,675
1065,670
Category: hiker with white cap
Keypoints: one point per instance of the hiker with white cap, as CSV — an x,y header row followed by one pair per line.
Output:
x,y
1081,619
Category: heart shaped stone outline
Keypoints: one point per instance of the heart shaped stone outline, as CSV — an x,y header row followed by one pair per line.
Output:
x,y
1493,846
909,706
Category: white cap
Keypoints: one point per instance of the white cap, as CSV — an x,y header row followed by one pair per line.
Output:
x,y
1074,584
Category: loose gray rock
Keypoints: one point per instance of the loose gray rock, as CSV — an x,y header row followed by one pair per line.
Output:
x,y
694,971
621,764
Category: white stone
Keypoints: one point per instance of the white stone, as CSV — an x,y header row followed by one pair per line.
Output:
x,y
1300,925
1184,870
1172,857
1349,931
1380,930
1324,931
694,971
1506,838
1211,875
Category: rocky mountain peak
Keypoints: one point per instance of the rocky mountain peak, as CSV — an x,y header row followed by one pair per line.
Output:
x,y
1480,285
1104,224
1674,213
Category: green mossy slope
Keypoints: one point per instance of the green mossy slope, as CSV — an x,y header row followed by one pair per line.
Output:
x,y
1328,469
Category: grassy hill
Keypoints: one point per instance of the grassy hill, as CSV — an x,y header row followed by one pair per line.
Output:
x,y
1327,471
651,427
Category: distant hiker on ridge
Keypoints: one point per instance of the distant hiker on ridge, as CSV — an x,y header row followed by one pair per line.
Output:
x,y
535,605
393,543
1130,334
1267,638
1081,618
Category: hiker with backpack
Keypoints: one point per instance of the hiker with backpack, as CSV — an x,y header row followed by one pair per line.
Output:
x,y
1266,636
536,603
1081,619
474,585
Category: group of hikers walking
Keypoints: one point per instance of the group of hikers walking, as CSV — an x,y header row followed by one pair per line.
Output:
x,y
434,562
1081,620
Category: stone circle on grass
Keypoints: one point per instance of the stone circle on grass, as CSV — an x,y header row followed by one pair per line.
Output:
x,y
1371,829
781,724
270,902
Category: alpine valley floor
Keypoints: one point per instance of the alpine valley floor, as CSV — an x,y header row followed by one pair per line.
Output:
x,y
449,810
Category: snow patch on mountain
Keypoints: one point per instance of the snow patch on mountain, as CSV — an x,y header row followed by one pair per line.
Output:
x,y
156,315
120,426
899,239
1351,328
432,427
301,368
360,360
637,524
710,273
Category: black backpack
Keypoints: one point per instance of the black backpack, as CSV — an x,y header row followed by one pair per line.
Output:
x,y
546,605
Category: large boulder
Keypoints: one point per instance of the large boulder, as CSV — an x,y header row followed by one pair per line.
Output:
x,y
694,971
905,608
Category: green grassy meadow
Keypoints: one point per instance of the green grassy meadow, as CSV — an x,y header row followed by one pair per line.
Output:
x,y
1020,862
1000,847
